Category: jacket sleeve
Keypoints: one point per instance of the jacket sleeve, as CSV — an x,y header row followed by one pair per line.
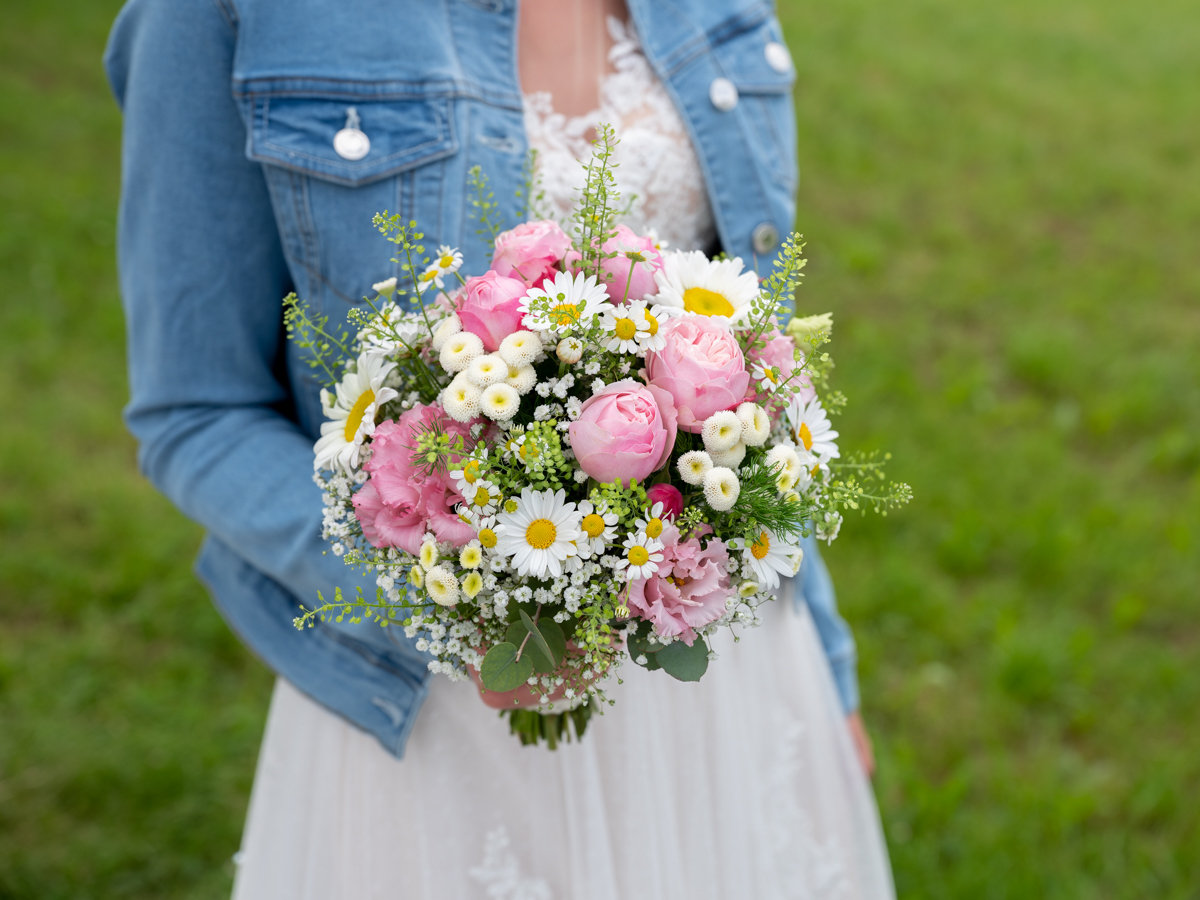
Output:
x,y
202,277
817,591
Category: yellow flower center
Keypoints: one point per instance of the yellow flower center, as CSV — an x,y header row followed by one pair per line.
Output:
x,y
513,373
482,497
638,555
487,537
653,322
365,399
625,329
430,275
704,302
510,506
804,435
446,261
654,528
563,314
593,525
529,451
471,472
762,546
769,375
540,534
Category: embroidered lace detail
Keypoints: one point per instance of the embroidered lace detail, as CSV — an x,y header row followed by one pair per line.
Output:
x,y
658,168
811,868
500,873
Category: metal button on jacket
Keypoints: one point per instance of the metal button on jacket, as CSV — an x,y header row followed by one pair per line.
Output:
x,y
764,238
778,57
723,94
351,142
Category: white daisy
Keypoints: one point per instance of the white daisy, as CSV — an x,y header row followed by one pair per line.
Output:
x,y
641,557
621,325
690,281
652,525
653,338
539,534
810,426
469,471
768,557
352,413
599,526
569,304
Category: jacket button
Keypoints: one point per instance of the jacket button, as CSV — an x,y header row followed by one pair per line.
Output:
x,y
352,142
778,57
723,94
764,238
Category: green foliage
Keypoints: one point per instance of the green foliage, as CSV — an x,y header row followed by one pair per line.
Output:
x,y
682,662
328,350
505,668
484,208
534,727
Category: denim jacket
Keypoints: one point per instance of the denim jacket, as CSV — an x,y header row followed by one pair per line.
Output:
x,y
233,195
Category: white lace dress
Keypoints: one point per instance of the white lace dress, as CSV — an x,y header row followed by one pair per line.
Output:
x,y
744,785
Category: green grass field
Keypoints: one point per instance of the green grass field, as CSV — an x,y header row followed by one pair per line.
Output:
x,y
1001,202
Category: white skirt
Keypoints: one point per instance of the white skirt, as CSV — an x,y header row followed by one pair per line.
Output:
x,y
744,785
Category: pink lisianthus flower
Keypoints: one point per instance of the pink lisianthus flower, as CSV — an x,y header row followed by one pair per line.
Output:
x,y
490,307
701,366
625,431
530,252
778,353
399,501
689,590
620,272
670,498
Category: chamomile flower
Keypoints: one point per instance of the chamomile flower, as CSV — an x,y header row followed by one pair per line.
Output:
x,y
811,429
621,326
566,305
652,525
471,556
641,557
482,497
768,557
472,585
689,281
539,534
486,532
694,465
599,526
470,470
441,586
653,338
351,413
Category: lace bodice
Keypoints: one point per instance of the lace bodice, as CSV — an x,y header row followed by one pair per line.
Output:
x,y
657,166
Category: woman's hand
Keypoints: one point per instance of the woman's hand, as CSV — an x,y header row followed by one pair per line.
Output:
x,y
862,742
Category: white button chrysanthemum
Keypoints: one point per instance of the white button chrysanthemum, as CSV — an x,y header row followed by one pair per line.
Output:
x,y
486,370
641,557
472,585
351,413
471,556
523,379
447,328
721,488
768,557
539,534
500,402
690,281
756,424
441,586
784,458
731,458
567,305
429,554
694,465
811,428
459,350
520,349
461,399
721,431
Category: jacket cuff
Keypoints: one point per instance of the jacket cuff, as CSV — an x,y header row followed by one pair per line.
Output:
x,y
845,677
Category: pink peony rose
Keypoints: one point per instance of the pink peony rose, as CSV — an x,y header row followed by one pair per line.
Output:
x,y
530,252
615,272
779,352
696,592
669,496
625,431
490,308
701,367
399,502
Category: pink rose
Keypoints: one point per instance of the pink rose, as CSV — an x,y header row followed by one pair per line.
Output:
x,y
399,502
490,308
701,367
615,273
779,353
530,252
625,431
669,496
689,589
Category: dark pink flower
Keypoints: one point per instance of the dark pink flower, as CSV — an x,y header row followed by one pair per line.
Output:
x,y
690,589
669,496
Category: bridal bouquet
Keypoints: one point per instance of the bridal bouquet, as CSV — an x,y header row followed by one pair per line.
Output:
x,y
597,449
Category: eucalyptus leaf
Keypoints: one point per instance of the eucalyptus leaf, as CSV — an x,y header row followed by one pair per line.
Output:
x,y
502,671
536,639
515,635
638,646
552,634
683,662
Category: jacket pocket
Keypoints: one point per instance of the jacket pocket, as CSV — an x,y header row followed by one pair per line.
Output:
x,y
297,132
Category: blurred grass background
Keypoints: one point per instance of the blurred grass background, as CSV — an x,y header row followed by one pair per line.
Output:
x,y
1003,207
